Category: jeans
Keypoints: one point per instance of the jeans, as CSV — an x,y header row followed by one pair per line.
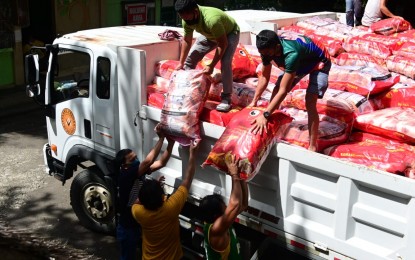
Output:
x,y
354,9
202,46
128,239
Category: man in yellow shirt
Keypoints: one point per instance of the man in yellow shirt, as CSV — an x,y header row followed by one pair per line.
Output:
x,y
159,217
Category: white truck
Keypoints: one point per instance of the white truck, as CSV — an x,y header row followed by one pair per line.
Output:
x,y
315,205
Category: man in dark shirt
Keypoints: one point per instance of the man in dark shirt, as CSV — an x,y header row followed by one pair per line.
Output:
x,y
132,174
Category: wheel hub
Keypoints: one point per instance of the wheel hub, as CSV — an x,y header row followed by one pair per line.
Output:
x,y
97,201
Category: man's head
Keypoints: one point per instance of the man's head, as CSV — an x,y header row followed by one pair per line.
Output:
x,y
268,43
126,158
212,207
151,194
188,11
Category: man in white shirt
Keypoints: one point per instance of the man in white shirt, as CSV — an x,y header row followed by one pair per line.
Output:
x,y
376,10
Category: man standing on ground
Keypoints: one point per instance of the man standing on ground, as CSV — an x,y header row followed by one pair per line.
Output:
x,y
221,241
131,177
218,30
159,217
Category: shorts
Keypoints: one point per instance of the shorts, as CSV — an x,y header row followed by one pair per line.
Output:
x,y
318,80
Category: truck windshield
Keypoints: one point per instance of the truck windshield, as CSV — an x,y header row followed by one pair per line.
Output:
x,y
70,77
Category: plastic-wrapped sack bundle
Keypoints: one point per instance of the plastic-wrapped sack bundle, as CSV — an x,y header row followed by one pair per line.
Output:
x,y
358,59
361,80
401,65
374,152
406,50
390,26
183,104
211,115
400,95
251,149
330,130
396,123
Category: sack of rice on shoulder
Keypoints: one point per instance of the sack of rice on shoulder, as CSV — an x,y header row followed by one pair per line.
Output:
x,y
183,105
251,149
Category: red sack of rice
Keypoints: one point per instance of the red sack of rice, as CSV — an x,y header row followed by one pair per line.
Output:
x,y
395,123
333,46
330,130
357,59
242,64
400,95
215,91
315,22
358,44
374,152
161,83
165,68
391,42
155,97
183,105
406,50
253,53
344,102
390,26
243,94
275,73
361,80
297,29
251,149
334,107
401,65
156,100
211,115
405,36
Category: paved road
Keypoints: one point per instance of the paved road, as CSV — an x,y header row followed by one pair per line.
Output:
x,y
34,202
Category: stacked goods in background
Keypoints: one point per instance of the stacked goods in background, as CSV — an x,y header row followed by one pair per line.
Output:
x,y
366,115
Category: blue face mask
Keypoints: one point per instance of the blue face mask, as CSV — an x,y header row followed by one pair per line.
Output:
x,y
134,163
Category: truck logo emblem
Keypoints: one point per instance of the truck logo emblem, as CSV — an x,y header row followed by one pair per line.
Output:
x,y
68,121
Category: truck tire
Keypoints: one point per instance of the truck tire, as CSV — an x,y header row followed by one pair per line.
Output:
x,y
93,202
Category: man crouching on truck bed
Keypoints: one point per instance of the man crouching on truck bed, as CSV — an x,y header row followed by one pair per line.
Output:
x,y
159,217
218,30
220,238
297,58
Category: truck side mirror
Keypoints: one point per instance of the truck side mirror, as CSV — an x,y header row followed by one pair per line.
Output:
x,y
32,75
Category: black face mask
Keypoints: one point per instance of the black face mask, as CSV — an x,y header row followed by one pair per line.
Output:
x,y
193,21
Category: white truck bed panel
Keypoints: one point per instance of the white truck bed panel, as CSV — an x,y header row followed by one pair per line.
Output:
x,y
348,207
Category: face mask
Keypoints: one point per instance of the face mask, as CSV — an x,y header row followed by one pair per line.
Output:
x,y
134,163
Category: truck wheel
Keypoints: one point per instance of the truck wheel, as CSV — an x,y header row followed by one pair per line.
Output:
x,y
93,202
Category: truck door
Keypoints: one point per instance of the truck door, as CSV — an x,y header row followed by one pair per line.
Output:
x,y
103,105
68,99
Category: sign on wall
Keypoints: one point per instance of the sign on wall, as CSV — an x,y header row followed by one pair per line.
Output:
x,y
136,13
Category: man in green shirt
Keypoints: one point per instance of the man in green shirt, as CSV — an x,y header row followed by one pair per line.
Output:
x,y
220,240
297,57
218,30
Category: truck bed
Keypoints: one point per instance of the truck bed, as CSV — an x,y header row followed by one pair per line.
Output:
x,y
345,207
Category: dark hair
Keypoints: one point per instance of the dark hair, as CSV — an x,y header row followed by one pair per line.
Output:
x,y
120,158
266,39
211,207
151,194
182,6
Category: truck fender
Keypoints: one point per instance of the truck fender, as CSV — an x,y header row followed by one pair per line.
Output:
x,y
79,153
